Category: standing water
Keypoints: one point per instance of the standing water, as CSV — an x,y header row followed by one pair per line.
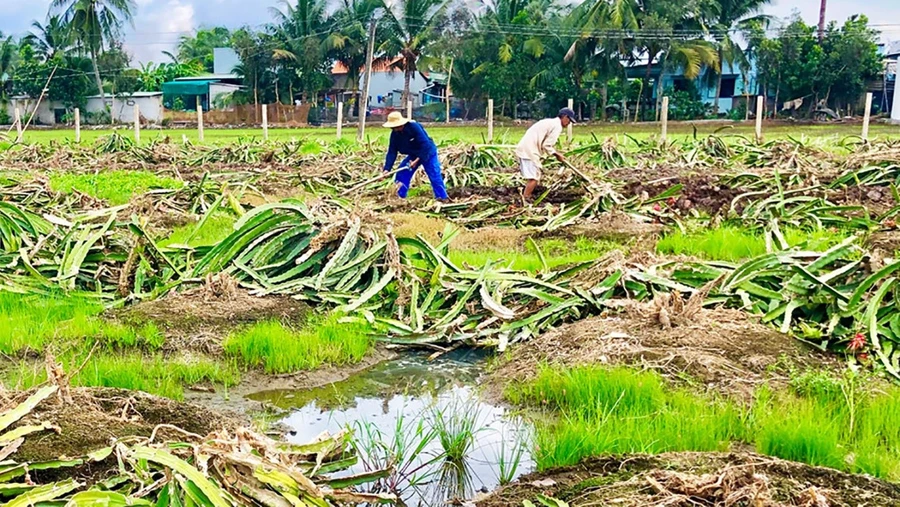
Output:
x,y
423,417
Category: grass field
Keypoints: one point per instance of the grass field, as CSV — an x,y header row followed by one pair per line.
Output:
x,y
477,133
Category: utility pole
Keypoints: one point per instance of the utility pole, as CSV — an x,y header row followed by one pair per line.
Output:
x,y
822,21
449,75
363,107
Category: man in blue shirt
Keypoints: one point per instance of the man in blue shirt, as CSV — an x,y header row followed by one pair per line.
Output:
x,y
410,139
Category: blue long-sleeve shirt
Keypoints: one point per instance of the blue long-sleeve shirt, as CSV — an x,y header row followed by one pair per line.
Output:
x,y
412,141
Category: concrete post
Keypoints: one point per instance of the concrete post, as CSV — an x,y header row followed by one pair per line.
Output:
x,y
18,119
490,119
340,118
664,119
895,112
77,125
137,124
200,122
409,109
265,121
569,128
867,115
759,118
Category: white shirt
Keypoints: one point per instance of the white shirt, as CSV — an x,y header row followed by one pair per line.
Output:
x,y
539,141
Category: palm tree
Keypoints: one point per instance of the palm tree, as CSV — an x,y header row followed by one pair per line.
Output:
x,y
7,59
732,16
199,47
93,22
348,45
50,39
411,29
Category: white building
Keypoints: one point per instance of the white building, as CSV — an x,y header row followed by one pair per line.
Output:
x,y
386,89
121,108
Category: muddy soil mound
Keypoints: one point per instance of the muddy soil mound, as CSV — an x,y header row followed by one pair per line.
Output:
x,y
702,191
197,319
94,417
691,479
612,226
725,350
513,195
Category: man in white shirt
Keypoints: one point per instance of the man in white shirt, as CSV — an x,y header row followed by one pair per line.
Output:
x,y
539,142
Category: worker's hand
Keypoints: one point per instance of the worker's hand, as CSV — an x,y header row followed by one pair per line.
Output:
x,y
559,156
414,164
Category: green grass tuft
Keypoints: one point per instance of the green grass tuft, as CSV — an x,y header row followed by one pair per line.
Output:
x,y
280,349
155,374
115,187
598,410
730,243
216,228
556,253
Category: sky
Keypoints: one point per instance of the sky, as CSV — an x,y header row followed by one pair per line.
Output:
x,y
159,23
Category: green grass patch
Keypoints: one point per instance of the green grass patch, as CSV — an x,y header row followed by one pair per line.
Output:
x,y
280,349
597,410
216,228
556,253
31,322
730,243
154,373
115,187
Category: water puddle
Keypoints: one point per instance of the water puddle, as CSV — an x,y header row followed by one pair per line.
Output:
x,y
423,416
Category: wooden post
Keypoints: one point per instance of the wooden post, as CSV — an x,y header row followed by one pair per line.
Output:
x,y
664,119
137,124
409,109
265,121
77,125
18,125
199,121
364,99
569,128
340,118
447,93
759,107
490,120
866,116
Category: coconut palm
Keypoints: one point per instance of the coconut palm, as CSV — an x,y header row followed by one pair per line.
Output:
x,y
348,44
199,47
411,27
95,22
50,39
734,16
8,49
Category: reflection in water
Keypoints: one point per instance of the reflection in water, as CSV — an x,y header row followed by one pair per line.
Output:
x,y
393,408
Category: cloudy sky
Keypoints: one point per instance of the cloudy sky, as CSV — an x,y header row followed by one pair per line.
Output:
x,y
159,23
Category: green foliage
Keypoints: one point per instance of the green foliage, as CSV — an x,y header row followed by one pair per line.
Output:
x,y
835,422
215,229
280,349
734,243
686,104
31,322
115,187
556,253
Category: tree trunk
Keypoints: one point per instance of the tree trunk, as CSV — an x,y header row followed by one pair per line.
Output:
x,y
718,86
407,77
659,93
277,95
97,77
256,95
604,97
777,105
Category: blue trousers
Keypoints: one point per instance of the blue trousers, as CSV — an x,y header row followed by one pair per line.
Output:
x,y
432,168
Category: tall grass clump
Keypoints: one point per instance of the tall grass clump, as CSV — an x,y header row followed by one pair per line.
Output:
x,y
456,425
549,254
115,187
839,422
29,322
733,243
621,410
216,228
155,373
281,349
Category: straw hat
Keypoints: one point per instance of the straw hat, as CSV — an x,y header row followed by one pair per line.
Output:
x,y
395,119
